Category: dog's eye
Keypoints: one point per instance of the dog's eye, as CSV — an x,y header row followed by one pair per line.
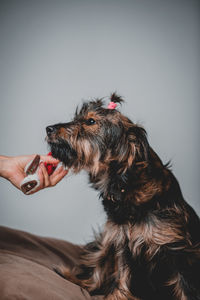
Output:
x,y
90,121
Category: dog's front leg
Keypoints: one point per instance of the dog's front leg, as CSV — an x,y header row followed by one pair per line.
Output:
x,y
92,287
89,278
119,295
101,274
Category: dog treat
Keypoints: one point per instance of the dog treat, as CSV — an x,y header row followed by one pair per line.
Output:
x,y
32,166
31,181
29,184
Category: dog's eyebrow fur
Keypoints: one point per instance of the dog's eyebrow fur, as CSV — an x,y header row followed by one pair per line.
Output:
x,y
94,105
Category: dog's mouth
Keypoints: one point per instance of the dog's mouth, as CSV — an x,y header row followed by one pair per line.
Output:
x,y
63,151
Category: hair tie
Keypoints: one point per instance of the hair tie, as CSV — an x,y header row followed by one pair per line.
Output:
x,y
112,105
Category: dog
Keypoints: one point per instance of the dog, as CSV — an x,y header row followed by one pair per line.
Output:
x,y
149,248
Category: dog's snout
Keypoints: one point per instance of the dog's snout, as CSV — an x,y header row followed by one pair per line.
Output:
x,y
50,130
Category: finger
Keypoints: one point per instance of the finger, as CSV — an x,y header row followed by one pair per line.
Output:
x,y
57,172
45,175
41,178
59,176
60,167
49,159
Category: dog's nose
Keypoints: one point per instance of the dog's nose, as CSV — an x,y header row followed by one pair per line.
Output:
x,y
50,130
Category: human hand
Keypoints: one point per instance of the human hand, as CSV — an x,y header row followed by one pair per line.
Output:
x,y
12,168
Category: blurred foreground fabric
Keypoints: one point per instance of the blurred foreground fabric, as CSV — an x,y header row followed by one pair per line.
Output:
x,y
26,267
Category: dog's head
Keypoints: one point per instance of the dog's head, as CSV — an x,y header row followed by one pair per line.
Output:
x,y
96,137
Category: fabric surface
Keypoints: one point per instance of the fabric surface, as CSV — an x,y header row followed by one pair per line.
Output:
x,y
26,267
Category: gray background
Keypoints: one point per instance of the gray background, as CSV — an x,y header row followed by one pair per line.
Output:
x,y
54,54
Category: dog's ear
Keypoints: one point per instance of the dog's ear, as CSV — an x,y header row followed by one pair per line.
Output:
x,y
141,143
134,148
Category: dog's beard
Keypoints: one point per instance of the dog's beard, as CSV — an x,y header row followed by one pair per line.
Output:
x,y
63,151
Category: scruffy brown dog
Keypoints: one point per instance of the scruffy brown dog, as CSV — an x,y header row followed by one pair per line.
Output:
x,y
150,246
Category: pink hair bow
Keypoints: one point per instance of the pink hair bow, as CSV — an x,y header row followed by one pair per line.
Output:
x,y
112,105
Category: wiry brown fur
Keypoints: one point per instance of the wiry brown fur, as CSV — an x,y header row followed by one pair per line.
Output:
x,y
150,245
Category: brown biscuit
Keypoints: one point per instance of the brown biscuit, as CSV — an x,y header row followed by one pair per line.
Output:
x,y
26,187
33,166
